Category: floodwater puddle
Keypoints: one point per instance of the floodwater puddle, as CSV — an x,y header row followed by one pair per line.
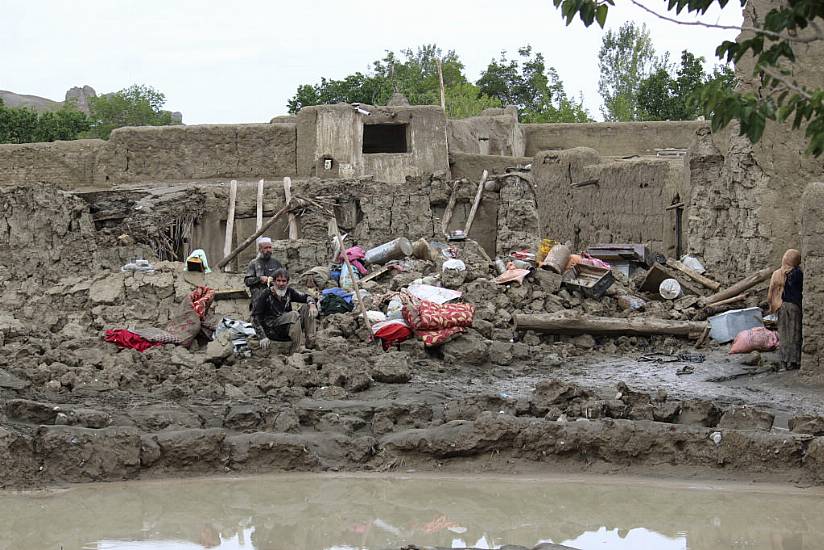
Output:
x,y
358,512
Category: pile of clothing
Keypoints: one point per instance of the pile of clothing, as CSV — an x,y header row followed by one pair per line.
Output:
x,y
181,329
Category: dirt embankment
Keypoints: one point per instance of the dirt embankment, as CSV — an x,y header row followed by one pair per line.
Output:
x,y
73,408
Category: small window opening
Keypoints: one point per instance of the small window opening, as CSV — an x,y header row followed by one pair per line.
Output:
x,y
384,138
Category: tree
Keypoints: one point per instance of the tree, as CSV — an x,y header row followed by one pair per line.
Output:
x,y
667,96
413,73
771,41
23,125
536,91
137,105
625,59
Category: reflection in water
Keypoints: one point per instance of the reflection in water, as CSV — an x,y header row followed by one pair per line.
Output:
x,y
321,512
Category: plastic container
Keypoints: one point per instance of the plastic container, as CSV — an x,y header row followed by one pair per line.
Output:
x,y
693,263
557,259
393,250
724,327
669,289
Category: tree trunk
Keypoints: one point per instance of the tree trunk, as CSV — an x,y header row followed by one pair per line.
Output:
x,y
554,324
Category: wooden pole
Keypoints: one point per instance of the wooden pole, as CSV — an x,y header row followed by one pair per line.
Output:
x,y
333,225
259,220
249,240
450,207
440,81
293,222
740,286
230,220
694,275
554,324
475,204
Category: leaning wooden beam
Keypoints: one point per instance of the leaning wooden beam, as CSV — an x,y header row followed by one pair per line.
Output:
x,y
293,221
230,220
739,287
719,307
606,326
592,181
694,275
249,240
475,204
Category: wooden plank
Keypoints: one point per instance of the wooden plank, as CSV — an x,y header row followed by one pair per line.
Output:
x,y
450,208
259,219
475,204
249,240
293,221
694,275
230,220
608,326
739,287
374,275
658,273
231,294
440,82
333,225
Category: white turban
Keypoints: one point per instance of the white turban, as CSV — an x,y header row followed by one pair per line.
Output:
x,y
264,240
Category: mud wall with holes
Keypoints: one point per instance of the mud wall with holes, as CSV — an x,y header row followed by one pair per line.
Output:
x,y
812,252
155,154
747,210
471,166
620,202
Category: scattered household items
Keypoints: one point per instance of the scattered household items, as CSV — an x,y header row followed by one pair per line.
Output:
x,y
658,273
355,254
512,274
693,263
724,327
694,275
391,332
754,339
590,280
435,323
557,258
456,235
237,332
196,261
669,289
632,303
626,258
393,250
434,294
335,300
422,250
455,264
138,265
181,329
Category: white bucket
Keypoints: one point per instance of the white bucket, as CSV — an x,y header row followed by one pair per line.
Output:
x,y
669,289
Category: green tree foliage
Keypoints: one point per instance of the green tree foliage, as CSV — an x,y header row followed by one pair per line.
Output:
x,y
414,73
625,59
527,83
22,125
670,93
771,41
137,105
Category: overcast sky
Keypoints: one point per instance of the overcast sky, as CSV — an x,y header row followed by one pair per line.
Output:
x,y
229,62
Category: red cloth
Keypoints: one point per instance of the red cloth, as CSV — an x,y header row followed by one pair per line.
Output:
x,y
435,323
392,333
128,339
355,254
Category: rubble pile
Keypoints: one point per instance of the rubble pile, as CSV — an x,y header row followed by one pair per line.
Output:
x,y
75,408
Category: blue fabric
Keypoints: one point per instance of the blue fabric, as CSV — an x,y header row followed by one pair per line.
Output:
x,y
793,287
337,291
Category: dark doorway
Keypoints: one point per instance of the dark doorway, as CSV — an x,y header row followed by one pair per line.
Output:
x,y
384,138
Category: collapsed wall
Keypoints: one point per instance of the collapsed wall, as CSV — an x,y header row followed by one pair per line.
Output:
x,y
585,200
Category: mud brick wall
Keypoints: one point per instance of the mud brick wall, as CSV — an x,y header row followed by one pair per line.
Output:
x,y
64,163
495,132
471,166
611,139
627,205
812,252
199,152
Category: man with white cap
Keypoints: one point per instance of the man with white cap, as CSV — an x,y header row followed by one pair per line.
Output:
x,y
261,270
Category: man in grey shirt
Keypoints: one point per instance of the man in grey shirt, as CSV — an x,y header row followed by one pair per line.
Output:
x,y
261,269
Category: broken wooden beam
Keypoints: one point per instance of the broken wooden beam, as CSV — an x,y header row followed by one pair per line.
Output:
x,y
249,240
230,220
475,204
739,287
694,275
293,221
658,273
606,326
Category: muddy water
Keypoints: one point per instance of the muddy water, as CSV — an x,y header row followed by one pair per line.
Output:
x,y
357,512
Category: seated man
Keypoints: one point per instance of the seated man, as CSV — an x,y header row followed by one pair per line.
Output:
x,y
260,272
273,318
